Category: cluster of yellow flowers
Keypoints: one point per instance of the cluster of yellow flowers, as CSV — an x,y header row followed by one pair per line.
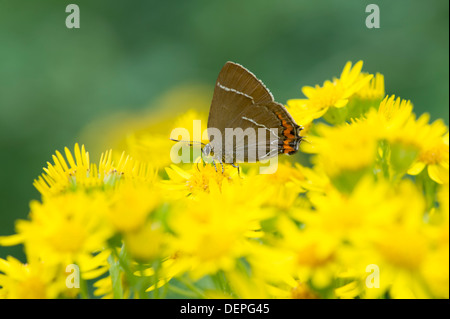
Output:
x,y
365,216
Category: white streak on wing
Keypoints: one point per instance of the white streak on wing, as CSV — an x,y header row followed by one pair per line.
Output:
x,y
260,125
261,82
249,146
233,90
272,152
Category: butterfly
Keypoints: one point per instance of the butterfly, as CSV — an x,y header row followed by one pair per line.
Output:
x,y
245,124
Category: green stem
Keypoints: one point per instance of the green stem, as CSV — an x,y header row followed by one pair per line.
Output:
x,y
155,282
221,282
114,272
429,189
384,159
192,287
83,289
217,282
180,291
122,258
165,290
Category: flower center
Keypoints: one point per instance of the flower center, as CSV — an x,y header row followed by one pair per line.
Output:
x,y
326,96
31,288
310,257
403,248
68,238
200,181
434,155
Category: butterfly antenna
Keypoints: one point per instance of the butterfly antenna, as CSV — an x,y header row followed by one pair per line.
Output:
x,y
304,139
235,165
198,160
191,143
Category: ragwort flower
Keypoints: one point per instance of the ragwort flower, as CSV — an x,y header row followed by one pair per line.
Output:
x,y
333,94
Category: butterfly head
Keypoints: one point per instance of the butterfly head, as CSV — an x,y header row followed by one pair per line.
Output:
x,y
208,150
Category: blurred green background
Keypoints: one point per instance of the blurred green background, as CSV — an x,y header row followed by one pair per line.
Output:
x,y
54,81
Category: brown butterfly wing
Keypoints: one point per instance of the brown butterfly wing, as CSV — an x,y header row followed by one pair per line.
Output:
x,y
240,100
270,118
236,88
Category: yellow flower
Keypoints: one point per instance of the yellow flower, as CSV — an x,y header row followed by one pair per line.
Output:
x,y
271,262
130,204
306,231
79,172
65,229
333,94
401,252
313,253
434,154
372,90
211,231
146,244
365,99
435,271
393,113
285,185
435,267
395,123
315,179
198,178
375,224
60,176
345,152
390,120
411,139
347,216
34,280
398,242
403,136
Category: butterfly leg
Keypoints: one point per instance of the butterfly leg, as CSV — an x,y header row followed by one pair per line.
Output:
x,y
215,167
238,168
223,168
214,163
201,156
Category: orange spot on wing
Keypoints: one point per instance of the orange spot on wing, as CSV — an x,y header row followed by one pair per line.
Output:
x,y
286,147
287,133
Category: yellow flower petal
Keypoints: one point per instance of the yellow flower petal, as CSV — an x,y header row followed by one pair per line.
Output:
x,y
341,103
351,74
174,172
11,240
416,168
308,91
346,70
438,173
